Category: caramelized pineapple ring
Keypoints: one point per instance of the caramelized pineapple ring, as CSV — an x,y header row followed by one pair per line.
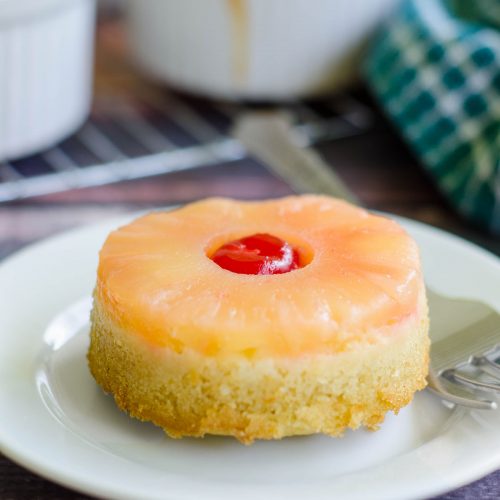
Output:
x,y
362,278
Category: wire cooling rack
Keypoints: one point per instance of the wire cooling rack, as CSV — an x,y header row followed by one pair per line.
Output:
x,y
130,138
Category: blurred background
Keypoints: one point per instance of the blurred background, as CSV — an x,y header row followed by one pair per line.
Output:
x,y
128,105
118,106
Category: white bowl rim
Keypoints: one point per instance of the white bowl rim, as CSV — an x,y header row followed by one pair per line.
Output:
x,y
13,11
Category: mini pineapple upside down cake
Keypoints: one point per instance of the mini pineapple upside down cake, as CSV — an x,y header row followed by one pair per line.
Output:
x,y
260,320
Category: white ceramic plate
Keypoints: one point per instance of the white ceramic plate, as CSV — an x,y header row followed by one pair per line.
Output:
x,y
55,421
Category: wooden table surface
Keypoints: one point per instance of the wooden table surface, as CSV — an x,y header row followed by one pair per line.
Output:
x,y
376,166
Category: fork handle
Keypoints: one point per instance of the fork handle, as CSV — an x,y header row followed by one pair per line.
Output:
x,y
268,135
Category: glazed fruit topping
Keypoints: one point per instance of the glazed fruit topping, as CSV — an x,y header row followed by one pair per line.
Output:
x,y
257,254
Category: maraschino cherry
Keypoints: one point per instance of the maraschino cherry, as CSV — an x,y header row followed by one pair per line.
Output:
x,y
257,254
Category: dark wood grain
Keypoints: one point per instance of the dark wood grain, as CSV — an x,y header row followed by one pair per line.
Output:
x,y
375,165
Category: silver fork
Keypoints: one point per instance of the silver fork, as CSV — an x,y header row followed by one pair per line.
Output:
x,y
465,348
465,334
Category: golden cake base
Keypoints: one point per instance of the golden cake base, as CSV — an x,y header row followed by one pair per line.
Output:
x,y
188,394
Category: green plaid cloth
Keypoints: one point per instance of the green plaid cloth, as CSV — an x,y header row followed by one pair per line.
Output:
x,y
435,68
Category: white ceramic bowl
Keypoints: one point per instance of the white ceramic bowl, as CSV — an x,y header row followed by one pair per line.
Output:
x,y
46,54
253,49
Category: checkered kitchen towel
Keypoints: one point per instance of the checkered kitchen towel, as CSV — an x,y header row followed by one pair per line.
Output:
x,y
435,67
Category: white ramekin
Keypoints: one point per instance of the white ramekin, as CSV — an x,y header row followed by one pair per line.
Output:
x,y
46,55
253,49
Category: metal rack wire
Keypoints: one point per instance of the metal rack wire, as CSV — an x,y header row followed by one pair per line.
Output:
x,y
129,138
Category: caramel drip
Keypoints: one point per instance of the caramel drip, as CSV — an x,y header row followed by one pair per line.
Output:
x,y
239,28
